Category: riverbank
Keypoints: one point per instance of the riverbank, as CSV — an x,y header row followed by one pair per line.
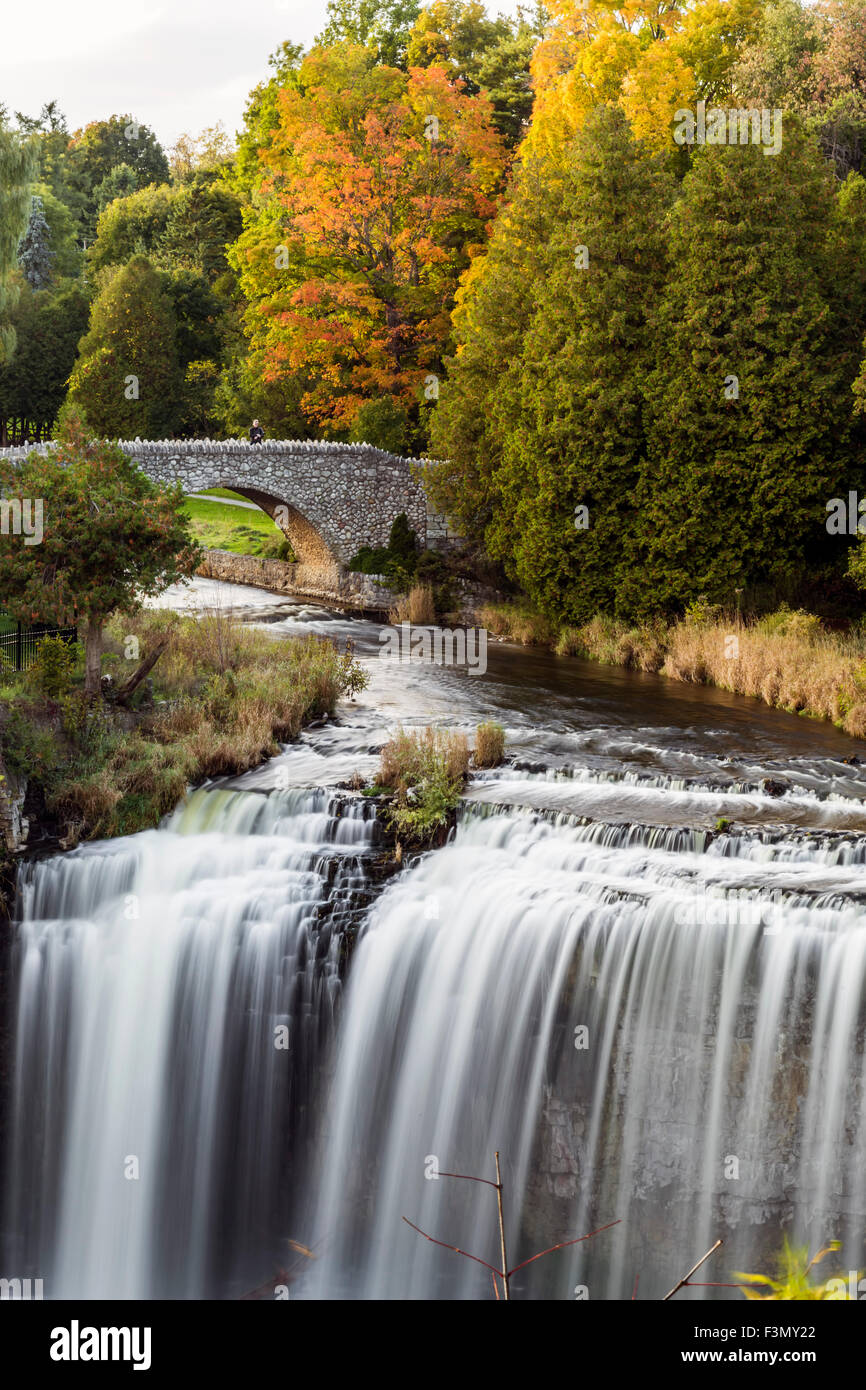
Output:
x,y
787,659
218,701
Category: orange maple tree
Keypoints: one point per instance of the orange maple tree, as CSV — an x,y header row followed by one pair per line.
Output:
x,y
374,190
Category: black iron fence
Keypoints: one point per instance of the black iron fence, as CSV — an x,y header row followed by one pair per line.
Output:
x,y
18,648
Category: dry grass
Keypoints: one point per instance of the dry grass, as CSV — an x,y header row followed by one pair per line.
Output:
x,y
517,623
802,669
224,695
489,744
416,607
410,756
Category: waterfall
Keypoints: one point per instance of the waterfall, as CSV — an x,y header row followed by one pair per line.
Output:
x,y
176,993
649,1032
654,1025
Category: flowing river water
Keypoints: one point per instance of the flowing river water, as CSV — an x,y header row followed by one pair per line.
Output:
x,y
229,1038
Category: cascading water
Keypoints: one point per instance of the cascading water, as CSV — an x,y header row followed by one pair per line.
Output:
x,y
654,1023
158,1110
648,1031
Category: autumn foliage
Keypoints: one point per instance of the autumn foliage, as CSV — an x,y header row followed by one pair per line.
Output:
x,y
373,191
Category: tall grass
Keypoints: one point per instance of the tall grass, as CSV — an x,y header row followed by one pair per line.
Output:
x,y
516,622
425,770
416,607
805,670
223,697
787,659
489,744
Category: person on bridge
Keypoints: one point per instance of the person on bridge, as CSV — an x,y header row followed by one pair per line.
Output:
x,y
257,434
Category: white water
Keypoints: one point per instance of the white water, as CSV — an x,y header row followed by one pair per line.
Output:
x,y
721,1088
153,1110
152,972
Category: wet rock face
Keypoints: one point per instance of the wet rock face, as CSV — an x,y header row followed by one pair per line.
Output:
x,y
13,822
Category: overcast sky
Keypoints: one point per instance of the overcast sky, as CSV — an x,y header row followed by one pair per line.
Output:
x,y
175,66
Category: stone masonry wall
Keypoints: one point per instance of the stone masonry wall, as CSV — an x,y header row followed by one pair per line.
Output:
x,y
338,497
347,590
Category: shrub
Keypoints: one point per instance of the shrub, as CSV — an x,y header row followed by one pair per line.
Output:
x,y
489,744
232,691
794,1278
52,671
787,622
397,562
426,771
701,613
275,547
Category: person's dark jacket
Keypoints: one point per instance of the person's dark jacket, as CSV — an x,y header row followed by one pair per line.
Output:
x,y
257,434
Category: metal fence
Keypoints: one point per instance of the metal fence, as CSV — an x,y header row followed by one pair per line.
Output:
x,y
18,649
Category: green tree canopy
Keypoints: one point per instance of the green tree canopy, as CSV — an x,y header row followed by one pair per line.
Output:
x,y
575,439
127,375
103,146
132,225
111,538
381,25
748,436
17,167
49,325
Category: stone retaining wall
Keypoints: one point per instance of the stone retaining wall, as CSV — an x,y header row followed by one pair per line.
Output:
x,y
343,588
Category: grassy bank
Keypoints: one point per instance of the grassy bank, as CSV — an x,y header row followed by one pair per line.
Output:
x,y
220,699
220,526
786,659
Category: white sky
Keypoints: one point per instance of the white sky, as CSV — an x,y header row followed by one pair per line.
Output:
x,y
174,66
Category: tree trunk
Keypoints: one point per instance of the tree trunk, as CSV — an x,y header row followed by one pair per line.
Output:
x,y
92,659
144,669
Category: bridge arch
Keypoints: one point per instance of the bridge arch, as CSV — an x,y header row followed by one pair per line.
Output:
x,y
338,497
310,546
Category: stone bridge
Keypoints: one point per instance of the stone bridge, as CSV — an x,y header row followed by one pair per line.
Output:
x,y
329,499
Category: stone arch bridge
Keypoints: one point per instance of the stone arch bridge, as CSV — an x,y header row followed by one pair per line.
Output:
x,y
329,499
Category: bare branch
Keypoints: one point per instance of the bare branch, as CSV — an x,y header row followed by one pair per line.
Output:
x,y
685,1280
469,1178
446,1246
563,1243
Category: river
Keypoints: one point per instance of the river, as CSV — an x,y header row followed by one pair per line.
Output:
x,y
240,1061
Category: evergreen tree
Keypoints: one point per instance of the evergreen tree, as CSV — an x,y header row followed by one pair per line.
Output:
x,y
17,167
578,427
748,434
35,254
127,378
477,399
49,325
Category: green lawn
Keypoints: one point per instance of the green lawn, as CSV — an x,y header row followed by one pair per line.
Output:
x,y
224,492
246,532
